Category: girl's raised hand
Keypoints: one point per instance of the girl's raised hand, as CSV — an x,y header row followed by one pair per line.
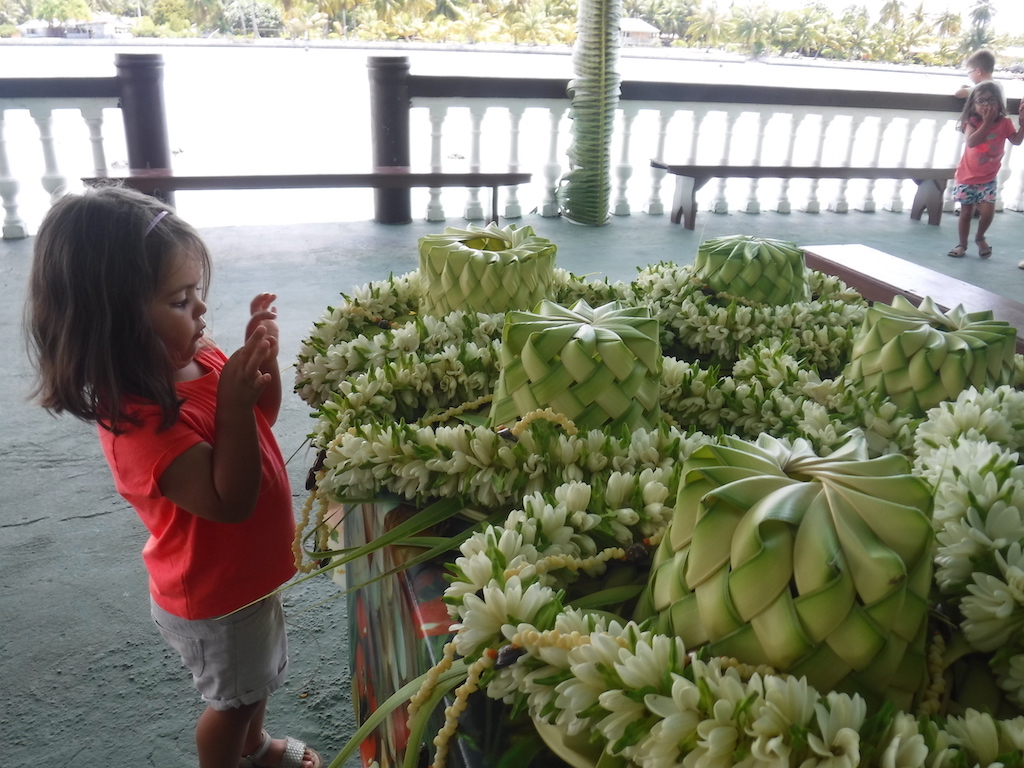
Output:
x,y
263,313
241,380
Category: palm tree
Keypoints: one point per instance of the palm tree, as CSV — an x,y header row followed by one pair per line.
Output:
x,y
892,13
708,25
980,35
808,30
749,28
948,24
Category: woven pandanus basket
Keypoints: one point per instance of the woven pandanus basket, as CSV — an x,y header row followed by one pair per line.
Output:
x,y
756,269
599,367
920,356
484,269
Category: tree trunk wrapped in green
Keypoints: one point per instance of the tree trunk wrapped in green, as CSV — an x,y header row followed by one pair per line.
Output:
x,y
599,367
755,269
919,357
817,566
484,269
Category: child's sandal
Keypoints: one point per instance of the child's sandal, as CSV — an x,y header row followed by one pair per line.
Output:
x,y
959,252
984,249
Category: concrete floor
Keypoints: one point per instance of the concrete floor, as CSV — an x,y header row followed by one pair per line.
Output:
x,y
85,678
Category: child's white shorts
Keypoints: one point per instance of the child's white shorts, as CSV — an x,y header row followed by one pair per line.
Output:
x,y
235,660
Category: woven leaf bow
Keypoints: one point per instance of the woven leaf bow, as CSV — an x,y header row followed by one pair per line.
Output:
x,y
484,269
919,356
599,367
819,566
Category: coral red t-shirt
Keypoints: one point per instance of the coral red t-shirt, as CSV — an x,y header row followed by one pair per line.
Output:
x,y
980,163
199,569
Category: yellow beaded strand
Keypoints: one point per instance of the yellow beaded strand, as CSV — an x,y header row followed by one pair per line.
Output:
x,y
931,701
571,562
556,418
458,410
301,564
445,663
747,671
452,713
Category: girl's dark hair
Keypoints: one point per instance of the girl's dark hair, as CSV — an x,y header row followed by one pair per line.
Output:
x,y
97,262
990,87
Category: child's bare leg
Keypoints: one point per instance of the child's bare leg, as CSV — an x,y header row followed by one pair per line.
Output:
x,y
964,222
221,735
963,225
987,211
254,736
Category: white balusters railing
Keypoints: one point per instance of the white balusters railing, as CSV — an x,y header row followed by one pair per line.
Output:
x,y
708,132
620,206
654,206
797,119
54,178
468,129
753,204
438,112
513,210
14,227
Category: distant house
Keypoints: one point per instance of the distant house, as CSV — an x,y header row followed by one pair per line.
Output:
x,y
37,28
102,25
638,32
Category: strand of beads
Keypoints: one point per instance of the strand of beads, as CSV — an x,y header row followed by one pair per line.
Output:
x,y
462,693
301,564
458,410
445,663
931,701
571,562
655,538
556,418
747,671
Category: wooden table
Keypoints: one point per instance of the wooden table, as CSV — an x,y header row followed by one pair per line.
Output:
x,y
879,276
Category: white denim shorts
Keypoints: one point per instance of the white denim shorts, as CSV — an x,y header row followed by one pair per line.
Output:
x,y
235,660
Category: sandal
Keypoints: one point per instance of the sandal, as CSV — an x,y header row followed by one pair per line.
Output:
x,y
984,249
294,751
958,252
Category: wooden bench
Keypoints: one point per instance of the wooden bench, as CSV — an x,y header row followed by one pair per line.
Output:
x,y
931,183
159,183
879,276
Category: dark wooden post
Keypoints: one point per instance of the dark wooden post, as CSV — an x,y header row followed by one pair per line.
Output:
x,y
389,129
142,109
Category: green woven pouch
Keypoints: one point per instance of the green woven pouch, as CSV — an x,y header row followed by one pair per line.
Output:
x,y
756,269
919,356
599,367
484,269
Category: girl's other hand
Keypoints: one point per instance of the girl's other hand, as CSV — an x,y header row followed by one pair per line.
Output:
x,y
988,112
263,313
241,380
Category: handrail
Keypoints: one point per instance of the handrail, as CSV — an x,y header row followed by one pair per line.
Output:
x,y
138,91
462,86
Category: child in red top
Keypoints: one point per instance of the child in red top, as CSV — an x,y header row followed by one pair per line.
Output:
x,y
115,325
987,128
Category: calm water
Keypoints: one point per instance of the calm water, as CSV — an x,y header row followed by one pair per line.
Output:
x,y
253,109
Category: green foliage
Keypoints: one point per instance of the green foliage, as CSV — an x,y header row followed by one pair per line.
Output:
x,y
15,11
8,30
63,10
239,17
171,13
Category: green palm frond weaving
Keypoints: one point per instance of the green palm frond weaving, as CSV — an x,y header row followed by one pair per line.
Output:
x,y
585,190
599,367
920,356
484,269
